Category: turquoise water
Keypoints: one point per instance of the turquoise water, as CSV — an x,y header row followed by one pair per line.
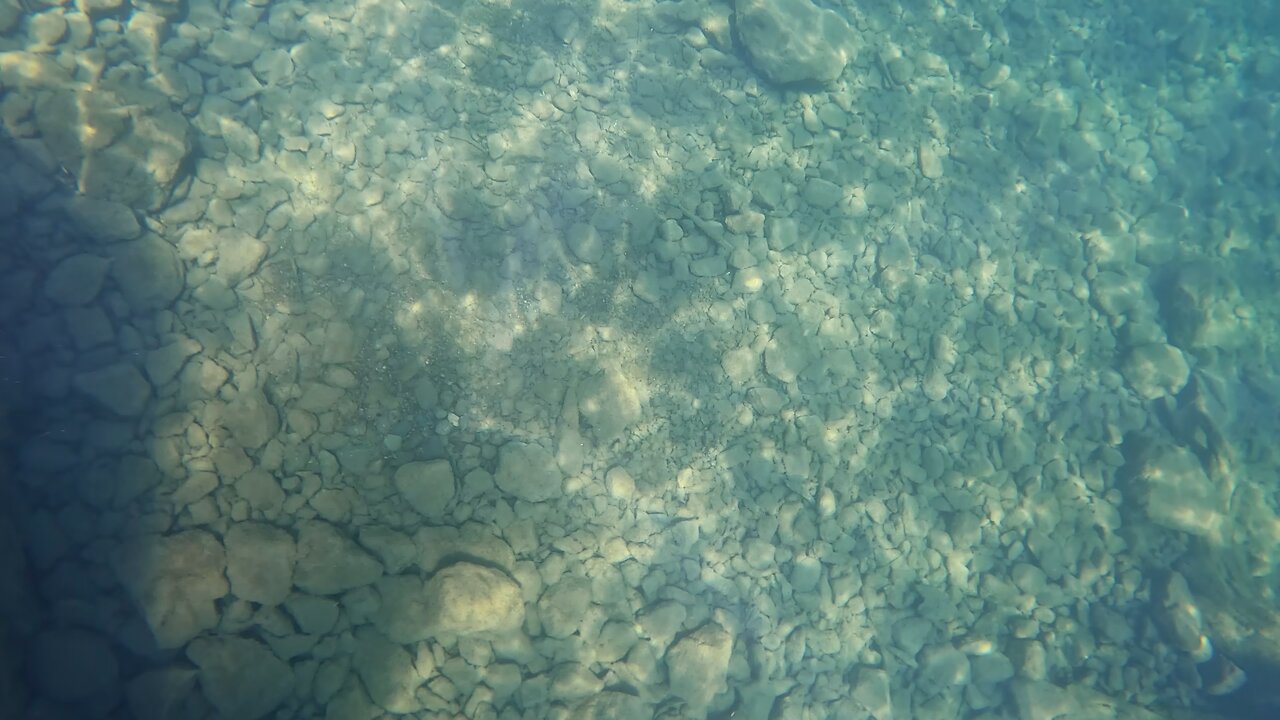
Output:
x,y
770,359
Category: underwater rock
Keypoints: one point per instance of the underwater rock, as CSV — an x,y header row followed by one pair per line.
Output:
x,y
794,41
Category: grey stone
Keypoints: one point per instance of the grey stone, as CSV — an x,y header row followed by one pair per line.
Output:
x,y
239,255
469,599
259,488
405,613
698,664
1155,370
73,665
1178,494
76,280
260,561
387,671
610,402
330,562
314,615
148,273
251,419
428,486
140,168
104,219
240,677
162,694
120,388
873,692
528,472
235,46
942,668
165,362
174,580
991,669
393,548
822,193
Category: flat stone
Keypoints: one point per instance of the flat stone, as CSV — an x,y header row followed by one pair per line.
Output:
x,y
254,485
563,605
584,241
394,549
1178,494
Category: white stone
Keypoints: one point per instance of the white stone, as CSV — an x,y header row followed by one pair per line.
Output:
x,y
930,163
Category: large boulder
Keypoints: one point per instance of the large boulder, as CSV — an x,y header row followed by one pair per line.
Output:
x,y
240,677
329,562
468,599
794,41
175,581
